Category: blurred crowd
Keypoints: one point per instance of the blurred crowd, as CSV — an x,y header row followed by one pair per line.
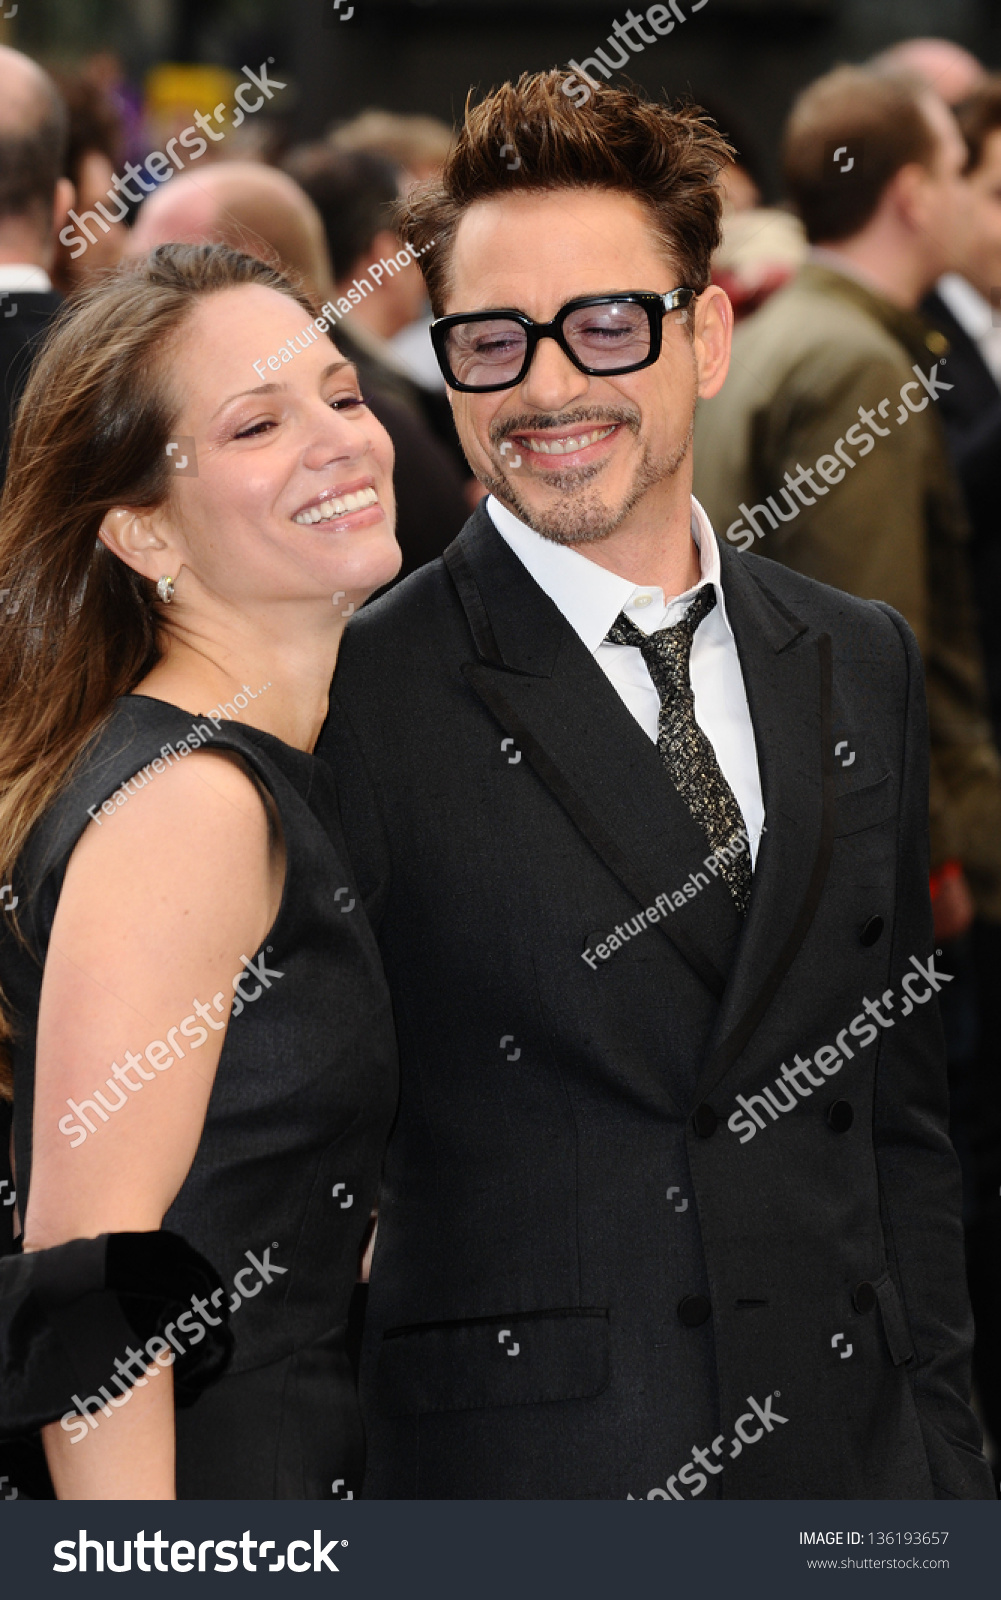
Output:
x,y
83,184
858,437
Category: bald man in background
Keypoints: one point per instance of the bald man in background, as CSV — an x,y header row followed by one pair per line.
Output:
x,y
266,213
945,67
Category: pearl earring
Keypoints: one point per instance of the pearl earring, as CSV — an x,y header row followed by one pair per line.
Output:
x,y
165,589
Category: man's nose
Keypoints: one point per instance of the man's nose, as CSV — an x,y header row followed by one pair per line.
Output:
x,y
552,380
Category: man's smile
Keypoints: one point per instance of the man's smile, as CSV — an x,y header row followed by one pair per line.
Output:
x,y
569,446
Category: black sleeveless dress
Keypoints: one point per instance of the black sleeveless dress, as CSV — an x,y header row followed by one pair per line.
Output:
x,y
279,1194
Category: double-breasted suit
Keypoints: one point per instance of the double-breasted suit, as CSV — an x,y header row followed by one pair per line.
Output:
x,y
589,1279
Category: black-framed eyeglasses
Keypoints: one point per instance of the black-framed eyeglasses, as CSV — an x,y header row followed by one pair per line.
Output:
x,y
602,334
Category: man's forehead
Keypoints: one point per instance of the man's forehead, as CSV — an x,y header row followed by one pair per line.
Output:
x,y
531,248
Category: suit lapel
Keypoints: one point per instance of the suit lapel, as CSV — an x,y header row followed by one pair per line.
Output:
x,y
787,677
546,691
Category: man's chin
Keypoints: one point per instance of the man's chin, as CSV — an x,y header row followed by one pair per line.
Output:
x,y
575,515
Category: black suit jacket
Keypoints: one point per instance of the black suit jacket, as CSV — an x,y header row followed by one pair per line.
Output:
x,y
24,318
971,411
583,1273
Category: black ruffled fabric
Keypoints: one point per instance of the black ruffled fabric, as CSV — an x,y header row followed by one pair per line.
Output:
x,y
68,1312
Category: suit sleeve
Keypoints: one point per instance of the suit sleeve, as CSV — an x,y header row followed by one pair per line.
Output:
x,y
357,786
920,1195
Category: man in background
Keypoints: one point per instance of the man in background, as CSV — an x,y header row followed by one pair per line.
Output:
x,y
825,449
417,147
34,200
965,307
944,66
94,153
356,194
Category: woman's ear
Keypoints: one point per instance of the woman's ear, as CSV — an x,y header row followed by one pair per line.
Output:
x,y
132,536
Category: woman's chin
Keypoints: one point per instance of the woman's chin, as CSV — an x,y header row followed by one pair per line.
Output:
x,y
369,569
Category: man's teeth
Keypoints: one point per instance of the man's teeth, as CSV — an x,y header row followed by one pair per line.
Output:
x,y
563,447
328,509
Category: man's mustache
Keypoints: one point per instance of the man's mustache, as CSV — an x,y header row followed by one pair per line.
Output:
x,y
541,421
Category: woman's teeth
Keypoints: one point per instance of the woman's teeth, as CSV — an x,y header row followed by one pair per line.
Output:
x,y
328,509
563,447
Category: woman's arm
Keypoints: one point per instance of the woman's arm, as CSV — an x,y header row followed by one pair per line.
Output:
x,y
159,903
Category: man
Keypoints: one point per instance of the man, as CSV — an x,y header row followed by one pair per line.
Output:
x,y
356,195
95,142
825,450
34,200
943,65
964,306
242,204
256,208
607,1264
417,146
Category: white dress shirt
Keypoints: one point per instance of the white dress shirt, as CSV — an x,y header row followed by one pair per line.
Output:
x,y
976,316
24,275
591,598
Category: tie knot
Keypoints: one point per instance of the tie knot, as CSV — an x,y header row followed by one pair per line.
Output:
x,y
670,648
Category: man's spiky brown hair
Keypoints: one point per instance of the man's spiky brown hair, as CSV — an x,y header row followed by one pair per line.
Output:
x,y
667,157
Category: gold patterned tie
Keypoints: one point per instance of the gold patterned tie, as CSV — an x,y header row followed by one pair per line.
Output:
x,y
685,750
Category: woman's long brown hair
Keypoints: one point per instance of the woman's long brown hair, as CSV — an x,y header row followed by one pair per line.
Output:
x,y
78,627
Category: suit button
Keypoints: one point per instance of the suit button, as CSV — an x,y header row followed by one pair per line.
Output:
x,y
870,931
694,1310
864,1298
840,1116
705,1121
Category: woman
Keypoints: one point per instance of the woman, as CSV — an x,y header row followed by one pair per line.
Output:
x,y
200,1042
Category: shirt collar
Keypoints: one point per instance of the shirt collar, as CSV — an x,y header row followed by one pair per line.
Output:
x,y
973,313
589,596
24,275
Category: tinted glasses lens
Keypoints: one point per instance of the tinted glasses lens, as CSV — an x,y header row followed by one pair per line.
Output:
x,y
486,353
608,337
